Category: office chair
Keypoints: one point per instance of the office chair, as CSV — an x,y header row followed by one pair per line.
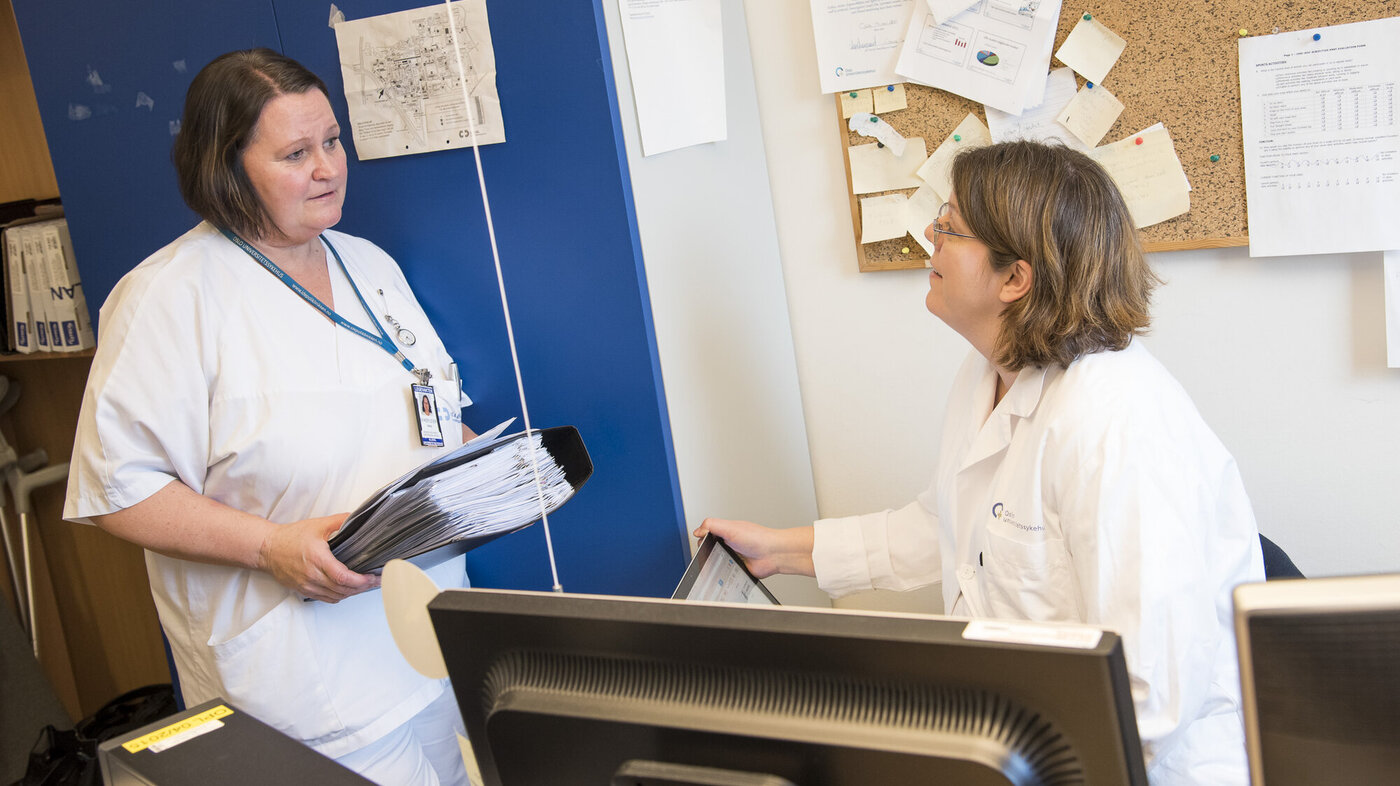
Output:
x,y
1277,565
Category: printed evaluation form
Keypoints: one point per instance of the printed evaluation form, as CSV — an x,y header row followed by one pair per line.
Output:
x,y
1321,139
858,41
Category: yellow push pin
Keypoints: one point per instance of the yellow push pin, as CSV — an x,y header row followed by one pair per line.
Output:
x,y
904,250
1243,32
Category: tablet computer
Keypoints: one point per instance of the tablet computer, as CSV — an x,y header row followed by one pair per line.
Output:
x,y
716,573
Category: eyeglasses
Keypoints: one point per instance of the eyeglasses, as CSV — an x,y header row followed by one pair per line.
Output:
x,y
941,221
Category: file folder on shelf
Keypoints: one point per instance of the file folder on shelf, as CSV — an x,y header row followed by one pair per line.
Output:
x,y
466,498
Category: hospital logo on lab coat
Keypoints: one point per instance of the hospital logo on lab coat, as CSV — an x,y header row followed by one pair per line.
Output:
x,y
1005,515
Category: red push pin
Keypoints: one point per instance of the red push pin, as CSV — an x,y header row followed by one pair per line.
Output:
x,y
1137,141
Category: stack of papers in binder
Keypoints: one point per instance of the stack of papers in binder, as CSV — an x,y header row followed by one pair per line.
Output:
x,y
474,494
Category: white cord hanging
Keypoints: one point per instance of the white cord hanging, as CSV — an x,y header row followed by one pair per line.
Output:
x,y
500,281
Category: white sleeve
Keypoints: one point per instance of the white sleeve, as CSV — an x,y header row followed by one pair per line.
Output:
x,y
1139,507
891,550
145,414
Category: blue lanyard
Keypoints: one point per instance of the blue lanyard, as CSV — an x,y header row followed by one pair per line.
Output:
x,y
382,339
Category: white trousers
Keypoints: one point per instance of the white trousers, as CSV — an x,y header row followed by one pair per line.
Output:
x,y
421,752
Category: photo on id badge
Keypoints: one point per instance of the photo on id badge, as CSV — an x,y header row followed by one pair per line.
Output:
x,y
429,427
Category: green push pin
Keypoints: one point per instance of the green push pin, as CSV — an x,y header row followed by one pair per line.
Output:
x,y
957,137
854,94
1214,158
1087,17
874,119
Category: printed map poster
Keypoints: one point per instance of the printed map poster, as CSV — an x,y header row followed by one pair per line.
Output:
x,y
405,90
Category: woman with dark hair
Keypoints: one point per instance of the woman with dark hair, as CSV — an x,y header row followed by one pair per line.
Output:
x,y
1076,481
244,396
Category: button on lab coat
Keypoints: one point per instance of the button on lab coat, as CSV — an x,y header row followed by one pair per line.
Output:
x,y
1094,494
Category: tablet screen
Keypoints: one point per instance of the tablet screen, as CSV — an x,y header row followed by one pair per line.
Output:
x,y
716,573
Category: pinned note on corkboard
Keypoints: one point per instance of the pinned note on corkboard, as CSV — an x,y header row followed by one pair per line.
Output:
x,y
1180,67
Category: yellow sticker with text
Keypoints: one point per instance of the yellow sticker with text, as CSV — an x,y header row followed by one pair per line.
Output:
x,y
179,727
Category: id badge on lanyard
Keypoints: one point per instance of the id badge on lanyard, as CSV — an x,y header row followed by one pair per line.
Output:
x,y
425,407
421,394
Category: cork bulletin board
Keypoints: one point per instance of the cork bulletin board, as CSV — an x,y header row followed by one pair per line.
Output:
x,y
1180,68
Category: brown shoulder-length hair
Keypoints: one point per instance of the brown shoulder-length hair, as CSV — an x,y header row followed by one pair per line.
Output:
x,y
1058,210
222,108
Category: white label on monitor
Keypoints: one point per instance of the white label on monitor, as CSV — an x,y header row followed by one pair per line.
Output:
x,y
185,736
1073,636
724,580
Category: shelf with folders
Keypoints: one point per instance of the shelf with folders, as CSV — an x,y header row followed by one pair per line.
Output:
x,y
13,357
45,309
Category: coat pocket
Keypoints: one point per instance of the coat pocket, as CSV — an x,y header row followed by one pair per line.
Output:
x,y
269,670
1028,578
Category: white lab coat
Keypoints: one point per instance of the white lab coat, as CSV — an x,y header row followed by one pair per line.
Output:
x,y
1094,494
212,372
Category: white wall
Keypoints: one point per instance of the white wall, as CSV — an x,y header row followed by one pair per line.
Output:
x,y
705,216
767,363
1285,357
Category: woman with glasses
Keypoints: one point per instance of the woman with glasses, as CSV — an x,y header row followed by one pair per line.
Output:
x,y
1075,481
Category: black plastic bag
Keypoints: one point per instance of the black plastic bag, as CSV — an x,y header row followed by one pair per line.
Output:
x,y
69,757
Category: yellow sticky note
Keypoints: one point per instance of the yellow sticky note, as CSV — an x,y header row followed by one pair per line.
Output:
x,y
853,101
889,99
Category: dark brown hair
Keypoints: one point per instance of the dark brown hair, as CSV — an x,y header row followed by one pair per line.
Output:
x,y
222,108
1059,211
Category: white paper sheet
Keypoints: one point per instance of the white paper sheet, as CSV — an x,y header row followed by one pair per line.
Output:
x,y
1091,113
869,125
995,53
938,169
1039,122
858,41
874,168
1091,49
1392,308
919,212
882,217
403,86
943,10
675,53
1322,139
1148,174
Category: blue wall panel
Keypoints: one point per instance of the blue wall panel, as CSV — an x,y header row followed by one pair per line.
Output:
x,y
113,166
565,227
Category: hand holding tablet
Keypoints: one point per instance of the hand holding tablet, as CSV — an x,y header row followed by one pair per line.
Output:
x,y
716,573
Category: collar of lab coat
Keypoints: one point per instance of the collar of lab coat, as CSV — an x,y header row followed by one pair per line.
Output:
x,y
992,433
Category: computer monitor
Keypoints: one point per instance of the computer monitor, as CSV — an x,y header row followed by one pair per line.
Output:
x,y
583,689
1320,678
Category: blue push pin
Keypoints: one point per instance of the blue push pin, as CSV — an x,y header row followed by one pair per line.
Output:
x,y
889,88
1317,36
1089,85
